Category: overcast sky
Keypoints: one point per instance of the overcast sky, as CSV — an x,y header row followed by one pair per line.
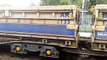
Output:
x,y
19,2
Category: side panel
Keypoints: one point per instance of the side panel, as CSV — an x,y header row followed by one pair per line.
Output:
x,y
101,34
28,28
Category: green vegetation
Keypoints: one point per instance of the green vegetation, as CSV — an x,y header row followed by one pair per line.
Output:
x,y
49,2
65,2
88,3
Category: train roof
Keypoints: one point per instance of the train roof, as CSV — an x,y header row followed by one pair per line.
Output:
x,y
101,6
59,7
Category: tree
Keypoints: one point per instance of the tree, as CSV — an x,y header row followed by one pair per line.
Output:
x,y
104,1
56,2
49,2
32,4
88,3
94,2
44,2
65,2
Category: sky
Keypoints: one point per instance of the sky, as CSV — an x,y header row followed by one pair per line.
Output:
x,y
19,2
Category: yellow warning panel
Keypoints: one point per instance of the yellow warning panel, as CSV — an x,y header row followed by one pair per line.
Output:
x,y
99,23
100,28
70,27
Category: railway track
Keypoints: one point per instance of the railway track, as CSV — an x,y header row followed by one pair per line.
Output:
x,y
6,55
12,56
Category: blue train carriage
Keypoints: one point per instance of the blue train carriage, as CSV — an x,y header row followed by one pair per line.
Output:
x,y
100,31
35,28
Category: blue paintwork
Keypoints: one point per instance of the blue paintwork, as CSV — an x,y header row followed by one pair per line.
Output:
x,y
49,29
102,34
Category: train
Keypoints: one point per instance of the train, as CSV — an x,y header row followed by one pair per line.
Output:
x,y
52,29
